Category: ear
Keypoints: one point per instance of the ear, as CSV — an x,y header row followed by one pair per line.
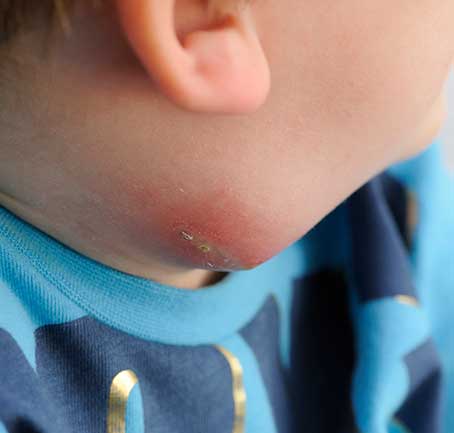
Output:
x,y
202,61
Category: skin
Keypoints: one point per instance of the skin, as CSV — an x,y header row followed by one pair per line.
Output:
x,y
178,148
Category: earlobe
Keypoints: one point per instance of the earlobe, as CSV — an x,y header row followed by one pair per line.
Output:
x,y
211,64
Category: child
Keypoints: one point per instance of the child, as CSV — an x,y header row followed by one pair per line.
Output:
x,y
163,165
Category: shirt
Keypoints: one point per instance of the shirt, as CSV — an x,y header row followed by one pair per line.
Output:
x,y
350,329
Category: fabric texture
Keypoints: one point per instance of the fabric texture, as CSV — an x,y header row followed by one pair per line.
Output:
x,y
350,329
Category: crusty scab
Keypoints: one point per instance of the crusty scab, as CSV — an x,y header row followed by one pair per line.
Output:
x,y
187,236
204,247
206,253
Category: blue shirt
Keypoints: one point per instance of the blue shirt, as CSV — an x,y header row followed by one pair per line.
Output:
x,y
350,329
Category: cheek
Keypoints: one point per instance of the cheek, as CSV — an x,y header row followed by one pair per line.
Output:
x,y
383,74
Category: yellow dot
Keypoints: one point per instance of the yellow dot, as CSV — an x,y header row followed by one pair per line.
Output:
x,y
204,248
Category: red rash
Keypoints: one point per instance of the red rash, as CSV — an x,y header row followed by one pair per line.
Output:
x,y
218,233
